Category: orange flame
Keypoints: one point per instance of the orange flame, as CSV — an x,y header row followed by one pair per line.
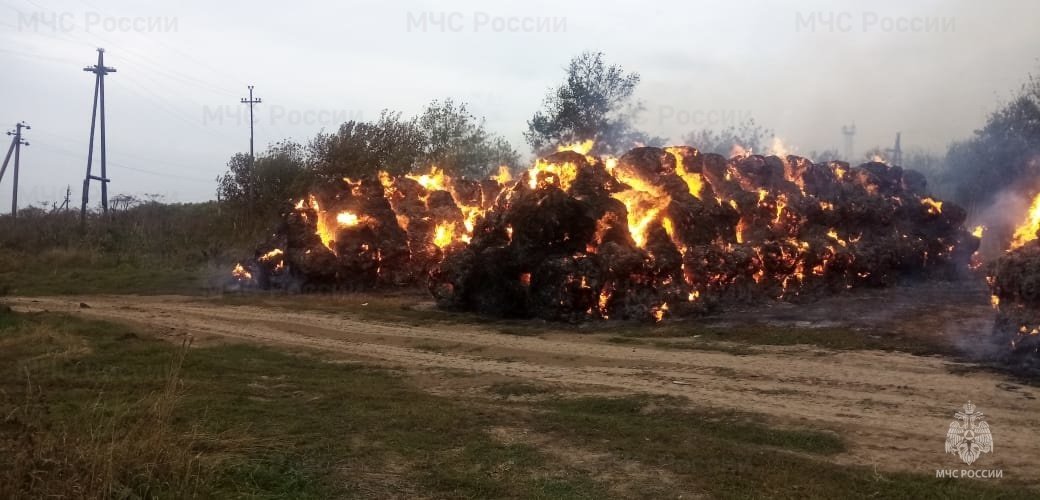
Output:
x,y
1026,231
433,181
581,147
240,273
444,234
934,207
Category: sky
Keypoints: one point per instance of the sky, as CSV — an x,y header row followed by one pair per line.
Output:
x,y
930,69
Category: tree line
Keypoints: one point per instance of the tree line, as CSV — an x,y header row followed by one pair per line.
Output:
x,y
596,101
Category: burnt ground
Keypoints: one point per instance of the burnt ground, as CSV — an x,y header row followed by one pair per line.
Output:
x,y
948,318
885,369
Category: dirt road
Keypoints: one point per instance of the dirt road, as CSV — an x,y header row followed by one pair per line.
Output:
x,y
892,408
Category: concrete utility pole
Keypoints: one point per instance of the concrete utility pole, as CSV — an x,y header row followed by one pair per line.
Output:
x,y
68,199
99,70
252,167
16,147
251,102
848,132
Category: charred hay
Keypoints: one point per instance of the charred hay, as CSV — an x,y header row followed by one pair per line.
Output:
x,y
654,233
1014,281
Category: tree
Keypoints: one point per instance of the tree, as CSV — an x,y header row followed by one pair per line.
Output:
x,y
457,142
358,148
595,102
264,185
123,202
1004,153
745,136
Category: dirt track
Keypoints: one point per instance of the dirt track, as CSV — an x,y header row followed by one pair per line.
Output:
x,y
892,408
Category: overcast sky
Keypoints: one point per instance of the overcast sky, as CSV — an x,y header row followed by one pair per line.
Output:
x,y
931,69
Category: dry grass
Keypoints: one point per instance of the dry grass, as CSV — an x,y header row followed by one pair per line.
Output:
x,y
115,448
151,248
96,410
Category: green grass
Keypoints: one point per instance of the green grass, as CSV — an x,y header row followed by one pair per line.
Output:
x,y
149,248
90,409
28,277
730,455
251,422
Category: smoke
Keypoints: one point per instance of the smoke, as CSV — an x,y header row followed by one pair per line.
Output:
x,y
1008,210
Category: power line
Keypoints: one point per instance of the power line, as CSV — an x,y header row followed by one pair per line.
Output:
x,y
182,54
62,151
141,158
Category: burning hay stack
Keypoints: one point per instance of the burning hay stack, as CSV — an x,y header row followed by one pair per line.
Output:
x,y
1014,281
656,232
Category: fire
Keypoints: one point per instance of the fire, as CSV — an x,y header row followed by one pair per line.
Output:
x,y
582,147
668,226
693,180
347,219
240,273
977,231
433,181
325,230
769,236
504,175
637,225
552,174
934,207
833,234
1026,231
659,312
444,234
643,203
269,256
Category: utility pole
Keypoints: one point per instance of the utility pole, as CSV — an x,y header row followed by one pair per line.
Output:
x,y
848,132
99,70
68,199
896,152
252,168
251,102
16,146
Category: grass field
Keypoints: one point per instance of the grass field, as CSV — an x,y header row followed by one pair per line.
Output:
x,y
96,410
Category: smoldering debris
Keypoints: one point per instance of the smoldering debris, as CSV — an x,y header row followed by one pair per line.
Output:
x,y
652,234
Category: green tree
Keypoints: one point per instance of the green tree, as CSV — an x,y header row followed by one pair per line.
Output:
x,y
266,184
358,148
457,142
1004,153
595,102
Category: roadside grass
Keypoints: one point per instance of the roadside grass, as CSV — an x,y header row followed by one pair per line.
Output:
x,y
729,455
413,307
96,410
22,274
147,248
